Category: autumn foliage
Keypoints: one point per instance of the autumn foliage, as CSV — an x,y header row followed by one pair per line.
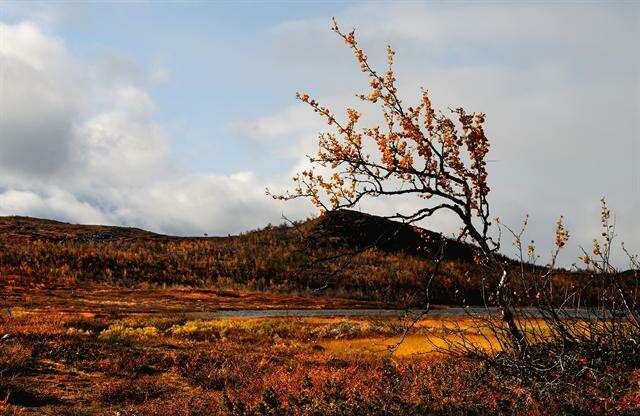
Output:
x,y
416,152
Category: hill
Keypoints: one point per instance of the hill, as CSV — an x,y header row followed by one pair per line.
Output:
x,y
371,258
346,227
34,229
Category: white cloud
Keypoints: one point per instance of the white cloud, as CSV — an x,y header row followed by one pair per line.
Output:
x,y
56,204
38,101
134,100
118,149
197,203
88,149
291,120
160,75
25,43
555,82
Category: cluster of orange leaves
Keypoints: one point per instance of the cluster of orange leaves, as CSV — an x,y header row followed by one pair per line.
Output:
x,y
416,147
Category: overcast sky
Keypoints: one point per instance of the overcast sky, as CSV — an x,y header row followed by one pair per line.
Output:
x,y
174,117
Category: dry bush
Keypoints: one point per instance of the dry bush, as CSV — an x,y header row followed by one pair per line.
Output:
x,y
418,153
247,330
223,369
15,358
587,355
19,393
10,410
137,390
203,404
120,332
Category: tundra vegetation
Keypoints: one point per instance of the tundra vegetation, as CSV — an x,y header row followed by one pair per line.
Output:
x,y
107,320
439,159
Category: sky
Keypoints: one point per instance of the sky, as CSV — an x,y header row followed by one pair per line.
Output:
x,y
175,116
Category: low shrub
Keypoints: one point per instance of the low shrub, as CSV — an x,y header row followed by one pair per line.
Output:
x,y
120,332
15,358
137,390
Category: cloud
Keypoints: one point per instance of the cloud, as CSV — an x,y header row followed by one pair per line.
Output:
x,y
80,143
117,148
197,203
55,204
557,84
160,75
291,120
134,100
290,133
38,102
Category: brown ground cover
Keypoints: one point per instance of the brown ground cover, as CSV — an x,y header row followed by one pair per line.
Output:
x,y
138,361
392,264
103,321
105,299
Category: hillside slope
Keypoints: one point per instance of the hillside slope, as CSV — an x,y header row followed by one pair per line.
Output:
x,y
371,259
34,229
345,227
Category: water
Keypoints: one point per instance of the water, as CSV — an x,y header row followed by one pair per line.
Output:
x,y
375,313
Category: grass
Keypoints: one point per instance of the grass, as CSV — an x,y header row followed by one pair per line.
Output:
x,y
61,361
410,345
120,332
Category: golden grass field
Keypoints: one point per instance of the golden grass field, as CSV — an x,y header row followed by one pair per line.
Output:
x,y
66,355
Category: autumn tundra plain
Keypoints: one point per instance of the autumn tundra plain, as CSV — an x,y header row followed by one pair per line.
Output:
x,y
106,320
